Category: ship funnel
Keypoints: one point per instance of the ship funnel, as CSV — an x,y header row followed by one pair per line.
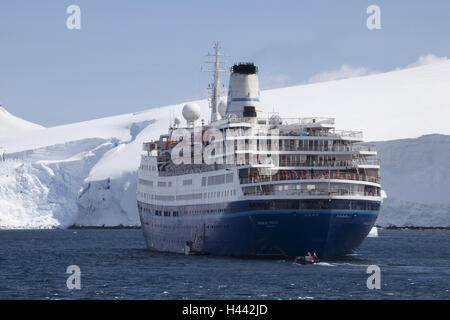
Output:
x,y
243,91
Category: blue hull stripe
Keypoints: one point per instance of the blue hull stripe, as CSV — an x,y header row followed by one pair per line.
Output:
x,y
277,212
245,99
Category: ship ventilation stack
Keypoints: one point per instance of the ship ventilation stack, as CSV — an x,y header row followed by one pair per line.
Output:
x,y
243,91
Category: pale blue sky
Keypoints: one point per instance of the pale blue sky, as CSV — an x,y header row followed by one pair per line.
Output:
x,y
134,55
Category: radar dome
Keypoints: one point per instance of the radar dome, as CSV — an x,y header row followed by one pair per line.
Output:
x,y
222,108
177,121
275,119
191,111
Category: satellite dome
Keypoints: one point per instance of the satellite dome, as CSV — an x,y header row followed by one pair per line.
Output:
x,y
275,119
191,111
177,121
222,108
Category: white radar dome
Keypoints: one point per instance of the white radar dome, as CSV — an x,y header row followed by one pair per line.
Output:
x,y
275,119
222,108
191,111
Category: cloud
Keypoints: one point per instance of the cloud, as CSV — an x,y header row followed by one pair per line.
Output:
x,y
268,81
344,72
424,60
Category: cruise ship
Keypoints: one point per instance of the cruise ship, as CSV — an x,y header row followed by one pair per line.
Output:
x,y
250,184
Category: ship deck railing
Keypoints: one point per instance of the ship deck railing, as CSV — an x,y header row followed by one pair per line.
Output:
x,y
348,134
315,165
327,163
304,175
328,193
274,148
304,121
341,148
297,127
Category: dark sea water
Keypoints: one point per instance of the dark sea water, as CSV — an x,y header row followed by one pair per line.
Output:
x,y
115,265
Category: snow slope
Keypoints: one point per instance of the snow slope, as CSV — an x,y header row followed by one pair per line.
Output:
x,y
44,172
11,125
400,104
85,173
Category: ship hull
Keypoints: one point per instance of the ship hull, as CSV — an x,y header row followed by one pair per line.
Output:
x,y
276,233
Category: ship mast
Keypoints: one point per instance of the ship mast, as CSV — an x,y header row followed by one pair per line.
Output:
x,y
214,87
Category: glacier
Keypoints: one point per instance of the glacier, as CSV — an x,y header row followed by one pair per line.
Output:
x,y
38,188
415,174
84,174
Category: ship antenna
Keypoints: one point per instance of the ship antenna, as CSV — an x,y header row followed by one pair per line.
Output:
x,y
214,87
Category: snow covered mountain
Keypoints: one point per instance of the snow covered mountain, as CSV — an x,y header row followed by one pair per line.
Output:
x,y
82,173
11,125
85,173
